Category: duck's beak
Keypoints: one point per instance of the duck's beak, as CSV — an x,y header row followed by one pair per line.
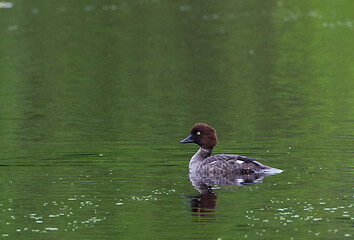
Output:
x,y
188,139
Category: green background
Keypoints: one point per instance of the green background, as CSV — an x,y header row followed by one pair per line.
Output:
x,y
96,95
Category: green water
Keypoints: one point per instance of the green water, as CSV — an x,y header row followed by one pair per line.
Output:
x,y
96,95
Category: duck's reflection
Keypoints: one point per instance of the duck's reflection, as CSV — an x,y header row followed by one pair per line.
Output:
x,y
204,204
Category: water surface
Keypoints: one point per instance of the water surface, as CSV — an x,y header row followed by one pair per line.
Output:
x,y
95,97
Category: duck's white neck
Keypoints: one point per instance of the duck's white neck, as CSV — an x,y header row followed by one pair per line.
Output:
x,y
199,157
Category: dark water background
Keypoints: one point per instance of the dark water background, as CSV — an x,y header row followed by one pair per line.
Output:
x,y
96,95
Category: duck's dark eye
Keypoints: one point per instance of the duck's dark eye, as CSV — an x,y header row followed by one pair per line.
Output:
x,y
198,133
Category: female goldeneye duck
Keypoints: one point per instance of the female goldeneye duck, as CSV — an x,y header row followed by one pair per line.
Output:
x,y
205,136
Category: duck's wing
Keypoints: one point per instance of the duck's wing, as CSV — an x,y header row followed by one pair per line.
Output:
x,y
233,163
225,158
247,159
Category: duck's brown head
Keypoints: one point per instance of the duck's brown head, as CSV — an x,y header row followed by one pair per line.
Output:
x,y
203,135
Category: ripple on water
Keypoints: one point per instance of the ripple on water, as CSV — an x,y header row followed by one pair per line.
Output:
x,y
77,212
289,213
6,4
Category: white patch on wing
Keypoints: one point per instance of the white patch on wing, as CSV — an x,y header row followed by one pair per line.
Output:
x,y
240,181
239,161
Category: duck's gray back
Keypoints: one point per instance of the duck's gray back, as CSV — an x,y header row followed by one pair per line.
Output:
x,y
224,163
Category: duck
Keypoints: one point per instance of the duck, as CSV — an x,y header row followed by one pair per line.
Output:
x,y
203,162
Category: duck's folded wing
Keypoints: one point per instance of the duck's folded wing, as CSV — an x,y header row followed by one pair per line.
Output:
x,y
229,157
247,159
235,163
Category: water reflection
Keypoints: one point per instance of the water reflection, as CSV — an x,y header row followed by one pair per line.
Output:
x,y
204,204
